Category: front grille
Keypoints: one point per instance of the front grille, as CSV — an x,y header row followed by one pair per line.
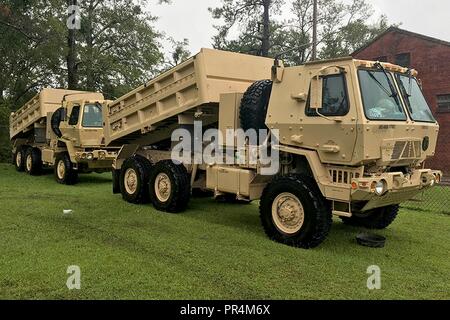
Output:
x,y
406,150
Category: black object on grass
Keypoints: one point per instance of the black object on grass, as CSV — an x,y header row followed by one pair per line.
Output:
x,y
371,240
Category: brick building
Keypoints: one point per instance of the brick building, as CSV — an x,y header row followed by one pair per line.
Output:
x,y
431,58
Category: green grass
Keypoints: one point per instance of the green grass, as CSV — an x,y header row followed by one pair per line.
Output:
x,y
212,251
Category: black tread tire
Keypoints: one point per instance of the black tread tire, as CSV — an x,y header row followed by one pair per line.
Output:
x,y
142,167
379,218
71,175
254,105
181,186
36,161
318,216
116,181
21,166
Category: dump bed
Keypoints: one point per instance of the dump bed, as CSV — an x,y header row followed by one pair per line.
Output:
x,y
198,81
47,101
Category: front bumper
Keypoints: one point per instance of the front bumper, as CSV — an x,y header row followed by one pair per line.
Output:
x,y
96,155
397,187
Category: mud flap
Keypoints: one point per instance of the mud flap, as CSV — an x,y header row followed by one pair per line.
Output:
x,y
116,181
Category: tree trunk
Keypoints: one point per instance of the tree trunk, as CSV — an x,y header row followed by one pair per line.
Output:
x,y
265,46
72,74
90,81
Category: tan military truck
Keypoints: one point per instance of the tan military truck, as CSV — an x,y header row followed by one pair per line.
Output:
x,y
350,136
61,129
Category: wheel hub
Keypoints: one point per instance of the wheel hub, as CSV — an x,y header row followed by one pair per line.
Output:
x,y
29,162
61,169
163,187
131,181
18,159
287,213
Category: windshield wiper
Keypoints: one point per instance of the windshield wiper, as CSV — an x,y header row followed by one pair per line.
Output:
x,y
391,86
409,93
379,83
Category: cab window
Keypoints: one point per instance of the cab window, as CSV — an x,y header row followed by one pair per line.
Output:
x,y
380,97
92,116
334,97
74,116
414,99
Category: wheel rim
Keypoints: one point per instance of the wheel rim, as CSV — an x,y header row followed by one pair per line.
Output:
x,y
29,162
287,213
131,179
61,169
19,159
163,187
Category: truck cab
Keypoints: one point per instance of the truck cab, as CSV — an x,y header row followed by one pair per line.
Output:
x,y
84,122
364,126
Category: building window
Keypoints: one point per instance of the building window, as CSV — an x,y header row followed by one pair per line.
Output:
x,y
403,59
381,59
443,103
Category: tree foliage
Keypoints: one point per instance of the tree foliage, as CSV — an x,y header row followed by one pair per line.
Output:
x,y
116,49
342,28
251,16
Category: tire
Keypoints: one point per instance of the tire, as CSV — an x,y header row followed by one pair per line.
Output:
x,y
64,171
55,121
116,181
33,161
379,218
306,233
19,159
254,105
175,187
134,176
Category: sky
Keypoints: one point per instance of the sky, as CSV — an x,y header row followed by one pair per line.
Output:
x,y
190,18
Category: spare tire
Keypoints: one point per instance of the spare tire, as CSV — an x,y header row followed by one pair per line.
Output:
x,y
57,117
254,105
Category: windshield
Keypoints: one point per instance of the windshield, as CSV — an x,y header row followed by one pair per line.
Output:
x,y
92,116
380,98
414,99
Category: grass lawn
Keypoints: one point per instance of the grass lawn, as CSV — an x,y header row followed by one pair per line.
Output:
x,y
212,251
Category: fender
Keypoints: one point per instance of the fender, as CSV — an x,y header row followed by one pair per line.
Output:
x,y
319,171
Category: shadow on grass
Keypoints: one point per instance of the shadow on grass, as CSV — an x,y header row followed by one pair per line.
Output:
x,y
86,178
245,218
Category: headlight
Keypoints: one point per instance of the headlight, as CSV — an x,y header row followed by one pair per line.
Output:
x,y
379,187
90,156
432,182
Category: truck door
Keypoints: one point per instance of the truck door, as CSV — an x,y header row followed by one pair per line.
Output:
x,y
92,125
70,128
331,116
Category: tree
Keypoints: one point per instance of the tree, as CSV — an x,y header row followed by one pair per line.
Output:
x,y
115,50
29,48
342,28
179,53
118,47
252,16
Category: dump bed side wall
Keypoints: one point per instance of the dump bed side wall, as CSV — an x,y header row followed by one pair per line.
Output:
x,y
198,81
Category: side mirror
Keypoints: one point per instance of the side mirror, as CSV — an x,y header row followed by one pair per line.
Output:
x,y
277,73
316,92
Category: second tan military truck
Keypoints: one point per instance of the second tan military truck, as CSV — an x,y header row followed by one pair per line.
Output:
x,y
347,137
62,129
